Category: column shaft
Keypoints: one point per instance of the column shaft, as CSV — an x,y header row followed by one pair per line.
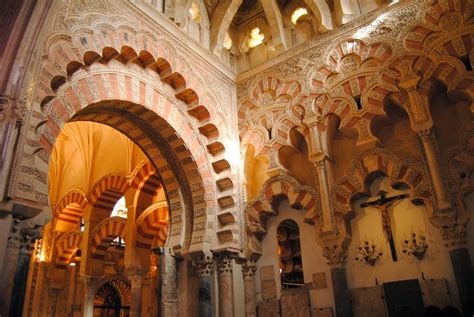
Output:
x,y
248,270
8,275
226,294
169,284
204,269
429,147
341,292
136,290
462,268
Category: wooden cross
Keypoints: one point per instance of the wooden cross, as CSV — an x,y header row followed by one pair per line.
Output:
x,y
382,204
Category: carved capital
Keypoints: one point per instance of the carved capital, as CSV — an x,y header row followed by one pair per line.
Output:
x,y
203,266
224,265
249,267
336,254
11,110
426,135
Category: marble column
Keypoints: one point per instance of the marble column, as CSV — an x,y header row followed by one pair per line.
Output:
x,y
325,181
89,290
169,283
8,274
226,294
136,276
248,269
204,270
341,291
431,154
462,268
20,280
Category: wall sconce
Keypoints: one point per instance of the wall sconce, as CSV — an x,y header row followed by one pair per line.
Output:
x,y
368,253
415,246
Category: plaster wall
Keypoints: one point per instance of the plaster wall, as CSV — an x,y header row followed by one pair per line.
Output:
x,y
405,218
312,257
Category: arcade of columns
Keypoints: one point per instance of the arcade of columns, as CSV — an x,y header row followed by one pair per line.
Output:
x,y
198,214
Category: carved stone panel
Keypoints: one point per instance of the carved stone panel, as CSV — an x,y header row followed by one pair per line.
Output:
x,y
267,273
295,303
319,280
269,308
269,290
368,302
435,292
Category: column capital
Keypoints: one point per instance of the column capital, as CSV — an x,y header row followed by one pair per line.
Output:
x,y
426,135
249,267
203,265
11,110
224,264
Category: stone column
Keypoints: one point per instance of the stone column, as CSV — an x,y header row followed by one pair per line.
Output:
x,y
8,273
341,291
462,268
431,153
20,280
204,270
89,290
325,180
169,283
226,296
136,276
248,269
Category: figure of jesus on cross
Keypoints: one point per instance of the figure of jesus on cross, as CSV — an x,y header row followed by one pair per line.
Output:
x,y
382,204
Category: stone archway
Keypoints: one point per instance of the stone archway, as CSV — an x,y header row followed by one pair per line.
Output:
x,y
157,125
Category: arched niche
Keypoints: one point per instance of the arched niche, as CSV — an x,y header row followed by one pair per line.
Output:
x,y
113,298
295,159
289,252
394,131
255,170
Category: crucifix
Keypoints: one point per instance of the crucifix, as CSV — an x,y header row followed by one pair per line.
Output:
x,y
382,205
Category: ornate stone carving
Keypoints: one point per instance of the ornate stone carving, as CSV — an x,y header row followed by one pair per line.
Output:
x,y
224,265
204,266
249,268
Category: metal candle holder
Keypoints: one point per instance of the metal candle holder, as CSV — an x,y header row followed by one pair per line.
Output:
x,y
368,253
415,245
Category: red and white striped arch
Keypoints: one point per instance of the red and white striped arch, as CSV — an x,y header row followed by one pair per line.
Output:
x,y
69,211
152,225
66,247
107,191
104,233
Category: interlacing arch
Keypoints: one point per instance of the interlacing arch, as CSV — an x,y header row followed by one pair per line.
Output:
x,y
375,162
273,106
442,16
273,191
153,224
354,83
104,233
69,211
66,247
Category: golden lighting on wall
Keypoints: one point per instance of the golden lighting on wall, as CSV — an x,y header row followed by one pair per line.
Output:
x,y
298,13
368,253
194,12
227,41
415,245
256,38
